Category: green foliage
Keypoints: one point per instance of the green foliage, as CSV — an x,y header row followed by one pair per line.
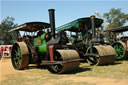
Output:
x,y
115,18
6,37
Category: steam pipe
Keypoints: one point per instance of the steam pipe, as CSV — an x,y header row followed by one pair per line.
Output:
x,y
93,33
52,22
93,26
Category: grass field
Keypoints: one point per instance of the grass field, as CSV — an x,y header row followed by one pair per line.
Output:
x,y
116,74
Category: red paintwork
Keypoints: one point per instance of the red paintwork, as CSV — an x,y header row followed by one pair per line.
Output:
x,y
51,52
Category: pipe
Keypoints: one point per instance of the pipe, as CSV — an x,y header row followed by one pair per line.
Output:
x,y
52,22
93,26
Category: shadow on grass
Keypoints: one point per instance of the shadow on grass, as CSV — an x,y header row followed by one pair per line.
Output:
x,y
79,70
115,63
37,67
31,67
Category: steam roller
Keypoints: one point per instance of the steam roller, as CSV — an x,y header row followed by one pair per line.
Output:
x,y
121,49
65,55
103,55
44,48
67,59
86,36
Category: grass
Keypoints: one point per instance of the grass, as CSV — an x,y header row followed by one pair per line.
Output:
x,y
73,83
35,76
118,71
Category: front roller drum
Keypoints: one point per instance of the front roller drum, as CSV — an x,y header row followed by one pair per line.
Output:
x,y
105,54
20,55
63,55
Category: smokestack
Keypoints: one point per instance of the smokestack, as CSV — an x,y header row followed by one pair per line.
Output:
x,y
93,26
52,22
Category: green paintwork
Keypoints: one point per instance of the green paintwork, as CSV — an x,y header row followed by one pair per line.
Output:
x,y
120,52
41,43
73,39
43,46
43,36
91,47
37,41
74,24
79,24
18,56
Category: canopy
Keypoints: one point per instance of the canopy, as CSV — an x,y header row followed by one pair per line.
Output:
x,y
31,26
119,29
79,24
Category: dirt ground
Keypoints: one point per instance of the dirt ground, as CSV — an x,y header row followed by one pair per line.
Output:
x,y
6,68
86,75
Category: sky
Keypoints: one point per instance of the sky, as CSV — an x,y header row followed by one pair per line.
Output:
x,y
65,10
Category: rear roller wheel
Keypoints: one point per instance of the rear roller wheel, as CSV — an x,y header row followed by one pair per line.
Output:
x,y
63,55
20,55
120,49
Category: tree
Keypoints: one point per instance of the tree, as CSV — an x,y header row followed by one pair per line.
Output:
x,y
7,37
115,18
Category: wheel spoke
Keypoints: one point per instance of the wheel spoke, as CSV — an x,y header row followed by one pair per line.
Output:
x,y
119,49
93,59
17,58
55,67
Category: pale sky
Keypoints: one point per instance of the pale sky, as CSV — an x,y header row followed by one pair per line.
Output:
x,y
65,10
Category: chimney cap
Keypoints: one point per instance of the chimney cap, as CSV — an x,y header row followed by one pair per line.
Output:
x,y
93,16
51,10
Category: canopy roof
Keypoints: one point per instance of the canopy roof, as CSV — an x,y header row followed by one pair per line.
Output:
x,y
31,26
119,29
79,24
